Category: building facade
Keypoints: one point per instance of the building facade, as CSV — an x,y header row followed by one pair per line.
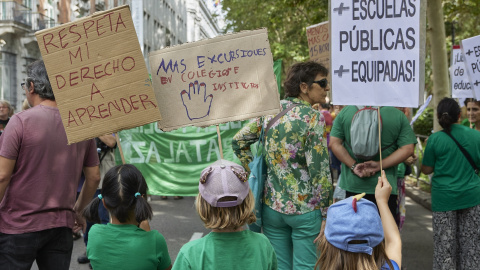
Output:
x,y
159,24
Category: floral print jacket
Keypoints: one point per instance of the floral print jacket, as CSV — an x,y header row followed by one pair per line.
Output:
x,y
299,178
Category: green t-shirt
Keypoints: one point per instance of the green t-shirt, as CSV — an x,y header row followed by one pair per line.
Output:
x,y
454,183
396,132
230,250
114,246
401,168
466,123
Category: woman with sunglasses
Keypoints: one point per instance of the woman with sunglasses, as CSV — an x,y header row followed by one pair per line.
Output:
x,y
298,187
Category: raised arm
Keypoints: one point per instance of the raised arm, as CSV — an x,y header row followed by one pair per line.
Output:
x,y
393,242
244,138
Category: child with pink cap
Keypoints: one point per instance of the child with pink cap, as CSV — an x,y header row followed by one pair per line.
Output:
x,y
225,204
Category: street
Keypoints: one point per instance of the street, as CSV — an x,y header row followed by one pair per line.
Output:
x,y
179,223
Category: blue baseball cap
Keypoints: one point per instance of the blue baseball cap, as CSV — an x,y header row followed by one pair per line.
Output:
x,y
344,224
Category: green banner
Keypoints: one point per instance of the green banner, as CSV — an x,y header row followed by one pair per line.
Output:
x,y
277,69
171,162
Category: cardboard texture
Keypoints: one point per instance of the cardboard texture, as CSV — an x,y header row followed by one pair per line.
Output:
x,y
227,78
318,37
98,75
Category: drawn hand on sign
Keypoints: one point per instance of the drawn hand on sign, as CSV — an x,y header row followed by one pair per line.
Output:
x,y
197,105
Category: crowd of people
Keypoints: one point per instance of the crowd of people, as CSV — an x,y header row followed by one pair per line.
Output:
x,y
302,227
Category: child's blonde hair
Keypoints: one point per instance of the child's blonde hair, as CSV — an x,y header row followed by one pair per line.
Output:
x,y
226,217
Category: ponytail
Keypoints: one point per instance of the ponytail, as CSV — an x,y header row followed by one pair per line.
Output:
x,y
447,113
143,210
91,211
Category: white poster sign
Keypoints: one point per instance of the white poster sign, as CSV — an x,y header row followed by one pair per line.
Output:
x,y
471,52
137,17
461,87
378,52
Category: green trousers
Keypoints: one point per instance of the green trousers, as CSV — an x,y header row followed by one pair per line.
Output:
x,y
292,237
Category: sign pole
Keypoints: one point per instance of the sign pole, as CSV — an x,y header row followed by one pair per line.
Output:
x,y
117,137
379,138
219,141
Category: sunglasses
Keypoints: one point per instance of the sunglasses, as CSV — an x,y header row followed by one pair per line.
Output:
x,y
323,82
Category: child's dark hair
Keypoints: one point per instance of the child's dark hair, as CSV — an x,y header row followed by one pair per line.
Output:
x,y
120,186
448,112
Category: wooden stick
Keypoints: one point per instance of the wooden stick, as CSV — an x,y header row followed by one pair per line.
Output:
x,y
380,138
117,137
219,141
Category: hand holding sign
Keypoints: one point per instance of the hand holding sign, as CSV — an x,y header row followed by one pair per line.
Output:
x,y
196,112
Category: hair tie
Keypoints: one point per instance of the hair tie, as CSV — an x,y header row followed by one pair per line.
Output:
x,y
100,196
445,113
137,194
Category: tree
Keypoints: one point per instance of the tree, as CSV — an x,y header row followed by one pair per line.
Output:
x,y
285,20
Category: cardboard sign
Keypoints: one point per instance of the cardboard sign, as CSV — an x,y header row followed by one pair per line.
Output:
x,y
461,87
318,37
98,75
227,78
471,52
378,52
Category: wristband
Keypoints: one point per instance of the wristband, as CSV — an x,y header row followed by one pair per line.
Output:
x,y
353,167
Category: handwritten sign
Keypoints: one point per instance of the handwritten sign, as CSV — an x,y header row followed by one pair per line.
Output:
x,y
378,52
318,37
471,52
461,87
227,78
98,75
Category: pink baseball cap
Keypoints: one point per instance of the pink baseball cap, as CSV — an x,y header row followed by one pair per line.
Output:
x,y
221,179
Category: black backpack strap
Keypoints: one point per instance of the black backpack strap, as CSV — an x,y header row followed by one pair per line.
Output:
x,y
465,153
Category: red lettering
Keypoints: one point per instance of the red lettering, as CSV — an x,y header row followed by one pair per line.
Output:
x,y
73,78
97,72
105,69
80,115
90,114
116,67
109,19
92,93
70,115
123,105
165,80
61,37
124,61
100,111
133,102
183,80
86,28
100,26
114,105
120,21
144,99
64,82
70,30
235,69
70,54
49,42
85,76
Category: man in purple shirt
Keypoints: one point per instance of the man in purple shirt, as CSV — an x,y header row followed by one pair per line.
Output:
x,y
39,175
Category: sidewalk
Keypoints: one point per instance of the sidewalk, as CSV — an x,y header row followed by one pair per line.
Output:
x,y
421,197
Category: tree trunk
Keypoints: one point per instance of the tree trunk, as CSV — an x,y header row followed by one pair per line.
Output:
x,y
438,54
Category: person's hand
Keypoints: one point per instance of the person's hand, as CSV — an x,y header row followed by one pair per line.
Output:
x,y
79,222
411,159
383,189
364,169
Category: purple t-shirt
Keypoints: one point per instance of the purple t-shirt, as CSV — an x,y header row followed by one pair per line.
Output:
x,y
43,186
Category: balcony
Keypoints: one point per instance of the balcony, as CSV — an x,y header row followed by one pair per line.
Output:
x,y
40,21
15,15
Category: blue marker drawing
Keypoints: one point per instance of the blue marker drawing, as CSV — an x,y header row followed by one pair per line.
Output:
x,y
197,105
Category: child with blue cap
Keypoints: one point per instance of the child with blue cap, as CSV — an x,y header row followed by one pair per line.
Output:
x,y
355,232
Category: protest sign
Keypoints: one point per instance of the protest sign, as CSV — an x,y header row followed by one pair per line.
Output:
x,y
421,109
471,52
98,75
461,87
318,37
171,162
378,52
227,78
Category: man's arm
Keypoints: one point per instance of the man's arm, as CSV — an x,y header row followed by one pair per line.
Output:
x,y
6,170
426,169
92,179
109,140
336,145
394,159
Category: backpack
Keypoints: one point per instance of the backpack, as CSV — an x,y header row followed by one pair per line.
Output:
x,y
364,133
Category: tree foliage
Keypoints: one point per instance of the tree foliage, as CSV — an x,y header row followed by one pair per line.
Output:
x,y
285,20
